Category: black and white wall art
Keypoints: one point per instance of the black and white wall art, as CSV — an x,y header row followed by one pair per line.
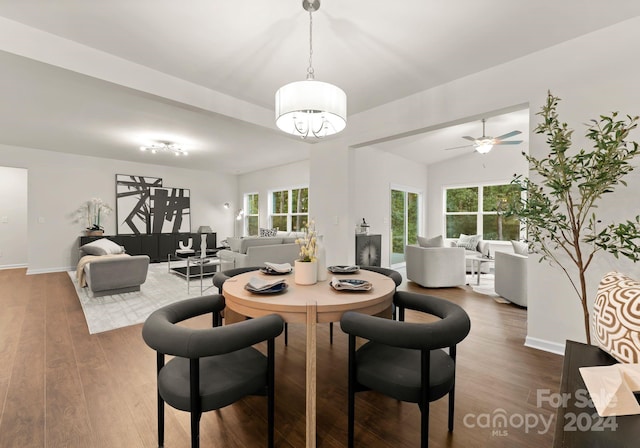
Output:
x,y
170,210
144,206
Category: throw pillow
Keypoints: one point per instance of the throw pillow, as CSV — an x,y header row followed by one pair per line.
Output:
x,y
436,241
520,248
267,232
102,246
616,317
469,242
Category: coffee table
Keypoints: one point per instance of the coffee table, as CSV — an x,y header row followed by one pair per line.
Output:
x,y
310,304
197,266
476,264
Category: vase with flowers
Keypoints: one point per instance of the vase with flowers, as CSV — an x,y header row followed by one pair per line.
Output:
x,y
306,266
92,212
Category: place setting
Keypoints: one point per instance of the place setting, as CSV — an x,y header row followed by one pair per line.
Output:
x,y
276,268
349,284
339,269
259,285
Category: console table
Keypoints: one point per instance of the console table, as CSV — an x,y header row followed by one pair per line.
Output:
x,y
158,246
580,426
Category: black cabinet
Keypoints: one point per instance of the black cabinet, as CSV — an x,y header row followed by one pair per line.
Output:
x,y
157,246
577,423
368,248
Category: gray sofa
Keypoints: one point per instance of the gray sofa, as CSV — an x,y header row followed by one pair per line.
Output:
x,y
107,275
254,251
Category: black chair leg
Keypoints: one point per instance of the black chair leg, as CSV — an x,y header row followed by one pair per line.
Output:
x,y
160,421
351,391
424,426
270,390
159,366
286,333
331,332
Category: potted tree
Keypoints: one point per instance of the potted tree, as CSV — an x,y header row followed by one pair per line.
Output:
x,y
561,198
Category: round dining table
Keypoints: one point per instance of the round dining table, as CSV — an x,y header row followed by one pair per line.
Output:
x,y
310,304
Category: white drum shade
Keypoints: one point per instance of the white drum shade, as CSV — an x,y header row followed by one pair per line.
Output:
x,y
311,108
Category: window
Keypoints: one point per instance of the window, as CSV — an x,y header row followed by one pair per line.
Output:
x,y
251,214
290,209
478,210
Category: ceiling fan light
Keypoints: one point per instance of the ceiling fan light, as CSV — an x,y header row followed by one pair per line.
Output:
x,y
484,147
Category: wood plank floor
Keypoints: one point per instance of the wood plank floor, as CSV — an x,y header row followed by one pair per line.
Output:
x,y
61,387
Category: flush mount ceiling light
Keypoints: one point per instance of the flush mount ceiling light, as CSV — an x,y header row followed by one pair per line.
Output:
x,y
310,107
165,147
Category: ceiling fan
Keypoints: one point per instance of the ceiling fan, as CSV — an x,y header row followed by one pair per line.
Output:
x,y
484,144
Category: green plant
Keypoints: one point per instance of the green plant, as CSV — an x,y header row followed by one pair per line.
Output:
x,y
559,206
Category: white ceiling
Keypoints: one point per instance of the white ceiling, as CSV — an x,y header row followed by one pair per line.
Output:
x,y
377,51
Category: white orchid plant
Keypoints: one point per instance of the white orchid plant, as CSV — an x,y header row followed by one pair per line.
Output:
x,y
307,243
92,212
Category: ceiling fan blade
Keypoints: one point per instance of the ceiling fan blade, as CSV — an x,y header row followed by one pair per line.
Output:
x,y
508,134
466,137
509,142
459,147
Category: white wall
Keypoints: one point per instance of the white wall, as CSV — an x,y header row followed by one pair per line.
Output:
x,y
13,217
374,174
59,183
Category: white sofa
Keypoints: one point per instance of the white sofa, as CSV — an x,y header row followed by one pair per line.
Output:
x,y
511,277
481,249
254,251
435,267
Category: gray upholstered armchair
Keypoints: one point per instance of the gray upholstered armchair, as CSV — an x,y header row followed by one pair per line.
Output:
x,y
511,277
436,267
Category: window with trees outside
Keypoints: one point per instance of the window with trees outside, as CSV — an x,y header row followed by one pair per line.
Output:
x,y
251,213
479,209
289,209
405,222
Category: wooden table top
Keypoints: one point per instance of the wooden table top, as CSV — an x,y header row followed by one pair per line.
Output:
x,y
292,303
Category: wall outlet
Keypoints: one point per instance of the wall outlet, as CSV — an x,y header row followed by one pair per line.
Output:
x,y
4,219
41,220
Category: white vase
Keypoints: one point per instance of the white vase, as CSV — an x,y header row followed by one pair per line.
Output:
x,y
203,245
321,258
305,272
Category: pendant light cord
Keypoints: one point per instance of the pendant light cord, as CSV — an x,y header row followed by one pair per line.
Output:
x,y
310,69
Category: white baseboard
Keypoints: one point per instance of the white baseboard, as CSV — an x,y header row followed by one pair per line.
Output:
x,y
50,270
547,346
12,266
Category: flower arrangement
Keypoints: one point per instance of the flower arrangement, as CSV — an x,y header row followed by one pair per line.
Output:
x,y
307,243
92,211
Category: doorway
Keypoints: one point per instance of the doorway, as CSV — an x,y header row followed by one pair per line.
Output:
x,y
405,222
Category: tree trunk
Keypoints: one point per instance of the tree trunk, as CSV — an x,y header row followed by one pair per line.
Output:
x,y
585,307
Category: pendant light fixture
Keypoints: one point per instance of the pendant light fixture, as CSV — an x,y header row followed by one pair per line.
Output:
x,y
311,108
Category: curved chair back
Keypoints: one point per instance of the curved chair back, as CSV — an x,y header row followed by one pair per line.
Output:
x,y
205,359
220,277
395,275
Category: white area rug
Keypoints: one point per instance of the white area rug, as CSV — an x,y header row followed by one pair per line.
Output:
x,y
486,285
121,310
